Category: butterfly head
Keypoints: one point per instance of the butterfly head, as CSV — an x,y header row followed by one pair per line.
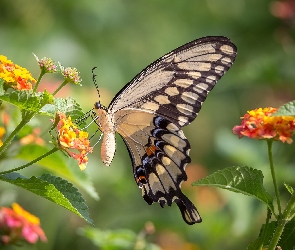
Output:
x,y
98,105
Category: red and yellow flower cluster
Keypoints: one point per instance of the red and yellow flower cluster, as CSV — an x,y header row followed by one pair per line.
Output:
x,y
14,75
260,124
18,224
71,138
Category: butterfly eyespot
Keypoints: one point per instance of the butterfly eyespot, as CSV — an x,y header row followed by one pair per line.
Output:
x,y
140,175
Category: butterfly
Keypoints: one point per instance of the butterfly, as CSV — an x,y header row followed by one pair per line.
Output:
x,y
149,112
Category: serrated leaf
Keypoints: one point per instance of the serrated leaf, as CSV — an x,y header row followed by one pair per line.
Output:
x,y
243,180
57,164
54,189
67,106
287,109
46,98
287,239
27,100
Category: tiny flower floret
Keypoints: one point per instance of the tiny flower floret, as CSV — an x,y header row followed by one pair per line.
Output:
x,y
46,64
18,224
71,74
71,138
14,75
259,124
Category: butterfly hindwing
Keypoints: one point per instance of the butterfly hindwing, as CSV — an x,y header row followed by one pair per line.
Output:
x,y
159,152
150,110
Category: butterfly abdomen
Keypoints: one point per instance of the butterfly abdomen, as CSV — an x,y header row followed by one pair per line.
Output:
x,y
108,146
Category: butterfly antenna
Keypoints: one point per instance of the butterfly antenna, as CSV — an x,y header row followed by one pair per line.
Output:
x,y
84,117
95,83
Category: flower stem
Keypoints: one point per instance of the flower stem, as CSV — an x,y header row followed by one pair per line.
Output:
x,y
42,73
61,86
31,162
282,223
12,135
269,144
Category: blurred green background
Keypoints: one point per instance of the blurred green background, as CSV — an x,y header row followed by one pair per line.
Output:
x,y
123,37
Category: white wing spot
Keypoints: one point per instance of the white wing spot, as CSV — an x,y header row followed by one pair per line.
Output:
x,y
150,106
162,99
187,151
226,61
194,74
172,91
202,86
185,109
172,127
190,97
184,83
219,69
227,49
203,66
182,120
210,79
181,134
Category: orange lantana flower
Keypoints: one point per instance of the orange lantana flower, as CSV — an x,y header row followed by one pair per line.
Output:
x,y
73,141
18,224
16,76
260,124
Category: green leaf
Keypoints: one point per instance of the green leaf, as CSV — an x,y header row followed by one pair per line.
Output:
x,y
27,100
57,164
289,188
242,180
54,189
287,109
268,236
68,106
287,238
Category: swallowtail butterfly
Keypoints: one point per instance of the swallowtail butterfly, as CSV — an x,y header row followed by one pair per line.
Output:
x,y
149,112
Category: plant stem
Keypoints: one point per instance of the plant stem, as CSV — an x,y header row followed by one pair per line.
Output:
x,y
12,135
31,162
282,223
269,144
59,88
42,73
265,228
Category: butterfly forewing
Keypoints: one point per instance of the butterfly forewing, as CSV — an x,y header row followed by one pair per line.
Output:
x,y
150,110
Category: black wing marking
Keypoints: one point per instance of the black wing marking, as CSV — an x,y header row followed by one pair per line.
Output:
x,y
168,94
159,153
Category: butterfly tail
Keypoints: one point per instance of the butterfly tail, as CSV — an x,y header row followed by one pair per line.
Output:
x,y
189,212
